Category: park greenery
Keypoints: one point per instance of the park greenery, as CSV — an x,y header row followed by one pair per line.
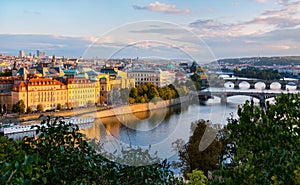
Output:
x,y
6,73
252,72
148,91
19,107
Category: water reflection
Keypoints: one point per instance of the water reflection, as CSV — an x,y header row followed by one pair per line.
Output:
x,y
155,128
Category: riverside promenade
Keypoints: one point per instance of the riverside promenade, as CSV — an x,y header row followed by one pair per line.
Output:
x,y
102,112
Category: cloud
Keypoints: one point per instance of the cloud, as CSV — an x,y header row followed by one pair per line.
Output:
x,y
162,7
286,17
209,24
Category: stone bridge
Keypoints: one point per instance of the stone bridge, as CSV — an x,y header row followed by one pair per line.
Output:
x,y
223,93
236,82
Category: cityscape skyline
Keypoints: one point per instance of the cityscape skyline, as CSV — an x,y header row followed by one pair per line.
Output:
x,y
227,28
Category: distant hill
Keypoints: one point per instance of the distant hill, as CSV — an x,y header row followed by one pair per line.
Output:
x,y
263,61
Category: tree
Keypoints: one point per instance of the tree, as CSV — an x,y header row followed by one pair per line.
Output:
x,y
194,67
40,108
19,107
59,106
265,143
153,93
197,81
61,155
193,157
29,110
197,177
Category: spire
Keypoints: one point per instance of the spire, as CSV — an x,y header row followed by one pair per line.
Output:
x,y
53,60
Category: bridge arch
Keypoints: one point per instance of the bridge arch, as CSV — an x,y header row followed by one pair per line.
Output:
x,y
229,85
275,86
244,85
291,86
230,98
260,85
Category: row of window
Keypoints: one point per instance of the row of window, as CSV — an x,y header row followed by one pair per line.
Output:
x,y
143,74
146,79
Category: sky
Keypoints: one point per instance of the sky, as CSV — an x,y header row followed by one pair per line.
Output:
x,y
202,30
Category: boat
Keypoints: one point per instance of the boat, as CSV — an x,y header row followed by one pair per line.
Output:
x,y
11,128
14,129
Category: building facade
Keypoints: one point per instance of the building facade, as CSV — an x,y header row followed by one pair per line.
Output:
x,y
157,77
44,91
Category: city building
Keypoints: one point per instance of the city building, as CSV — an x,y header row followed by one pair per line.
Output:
x,y
44,91
40,54
112,81
6,84
157,77
21,54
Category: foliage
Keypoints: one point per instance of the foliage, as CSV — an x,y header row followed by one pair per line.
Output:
x,y
265,74
194,67
148,91
29,110
197,82
7,73
197,177
59,106
193,157
19,107
40,108
61,155
265,144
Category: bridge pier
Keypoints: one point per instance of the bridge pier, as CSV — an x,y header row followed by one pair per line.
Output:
x,y
252,85
283,86
237,84
223,99
262,100
268,84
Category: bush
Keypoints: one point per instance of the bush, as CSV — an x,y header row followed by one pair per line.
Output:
x,y
61,155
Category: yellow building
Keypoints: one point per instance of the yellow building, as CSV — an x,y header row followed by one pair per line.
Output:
x,y
81,92
44,91
6,84
113,80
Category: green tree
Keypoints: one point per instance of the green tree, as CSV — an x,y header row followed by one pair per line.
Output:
x,y
29,110
265,143
194,67
59,106
206,156
7,73
133,93
61,155
197,177
153,92
19,107
197,81
40,108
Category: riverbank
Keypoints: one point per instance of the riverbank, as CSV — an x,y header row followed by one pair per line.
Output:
x,y
102,112
142,107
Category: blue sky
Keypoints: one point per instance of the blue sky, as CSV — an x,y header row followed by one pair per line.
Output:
x,y
228,28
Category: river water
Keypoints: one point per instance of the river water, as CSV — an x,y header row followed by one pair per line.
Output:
x,y
159,128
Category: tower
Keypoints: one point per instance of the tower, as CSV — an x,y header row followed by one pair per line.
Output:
x,y
21,54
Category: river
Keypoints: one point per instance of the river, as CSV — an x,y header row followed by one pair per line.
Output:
x,y
159,128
